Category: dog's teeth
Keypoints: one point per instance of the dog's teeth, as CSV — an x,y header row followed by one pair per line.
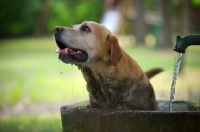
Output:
x,y
57,50
62,51
79,52
66,50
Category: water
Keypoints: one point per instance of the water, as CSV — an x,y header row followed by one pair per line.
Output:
x,y
82,78
72,77
60,68
177,63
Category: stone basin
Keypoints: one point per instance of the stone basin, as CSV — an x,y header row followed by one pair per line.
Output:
x,y
79,118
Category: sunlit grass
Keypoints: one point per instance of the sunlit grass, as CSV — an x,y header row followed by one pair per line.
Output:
x,y
31,123
30,72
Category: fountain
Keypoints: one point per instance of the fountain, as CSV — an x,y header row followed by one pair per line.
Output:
x,y
173,115
183,42
181,45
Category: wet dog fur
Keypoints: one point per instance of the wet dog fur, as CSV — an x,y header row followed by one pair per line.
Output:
x,y
114,80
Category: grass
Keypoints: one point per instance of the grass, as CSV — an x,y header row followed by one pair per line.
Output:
x,y
31,123
30,74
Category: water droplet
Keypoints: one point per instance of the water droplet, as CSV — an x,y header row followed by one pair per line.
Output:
x,y
82,78
60,67
72,76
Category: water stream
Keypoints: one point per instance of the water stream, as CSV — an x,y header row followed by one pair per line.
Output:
x,y
177,63
82,78
72,77
60,67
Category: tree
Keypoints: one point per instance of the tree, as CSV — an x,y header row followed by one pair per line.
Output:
x,y
17,17
185,17
185,23
166,10
140,26
41,26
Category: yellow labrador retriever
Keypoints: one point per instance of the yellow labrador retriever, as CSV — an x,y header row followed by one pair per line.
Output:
x,y
114,79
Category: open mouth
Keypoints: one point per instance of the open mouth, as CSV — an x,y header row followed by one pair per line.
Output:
x,y
68,54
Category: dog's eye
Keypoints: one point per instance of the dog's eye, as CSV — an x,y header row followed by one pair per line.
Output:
x,y
85,28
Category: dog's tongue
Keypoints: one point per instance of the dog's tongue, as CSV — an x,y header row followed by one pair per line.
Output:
x,y
68,51
61,51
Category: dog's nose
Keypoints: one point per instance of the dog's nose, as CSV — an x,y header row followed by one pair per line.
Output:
x,y
58,29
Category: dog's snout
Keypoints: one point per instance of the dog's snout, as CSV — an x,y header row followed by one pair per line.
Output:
x,y
58,29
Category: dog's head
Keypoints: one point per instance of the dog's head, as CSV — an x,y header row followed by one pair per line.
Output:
x,y
86,43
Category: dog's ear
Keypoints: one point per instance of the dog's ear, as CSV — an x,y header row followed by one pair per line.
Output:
x,y
115,49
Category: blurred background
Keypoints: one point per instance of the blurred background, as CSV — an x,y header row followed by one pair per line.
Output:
x,y
34,84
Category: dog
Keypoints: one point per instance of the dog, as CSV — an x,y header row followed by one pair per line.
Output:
x,y
114,80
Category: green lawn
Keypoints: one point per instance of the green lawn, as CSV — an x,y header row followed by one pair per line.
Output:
x,y
30,74
31,123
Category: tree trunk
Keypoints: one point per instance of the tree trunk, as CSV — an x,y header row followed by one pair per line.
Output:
x,y
185,17
41,25
166,9
184,21
140,26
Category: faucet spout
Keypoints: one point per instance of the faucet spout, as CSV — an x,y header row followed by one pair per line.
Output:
x,y
183,42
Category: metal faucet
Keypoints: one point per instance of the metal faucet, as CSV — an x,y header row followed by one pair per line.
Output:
x,y
183,42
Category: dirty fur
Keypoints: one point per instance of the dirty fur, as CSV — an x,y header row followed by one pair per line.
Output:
x,y
108,92
114,79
